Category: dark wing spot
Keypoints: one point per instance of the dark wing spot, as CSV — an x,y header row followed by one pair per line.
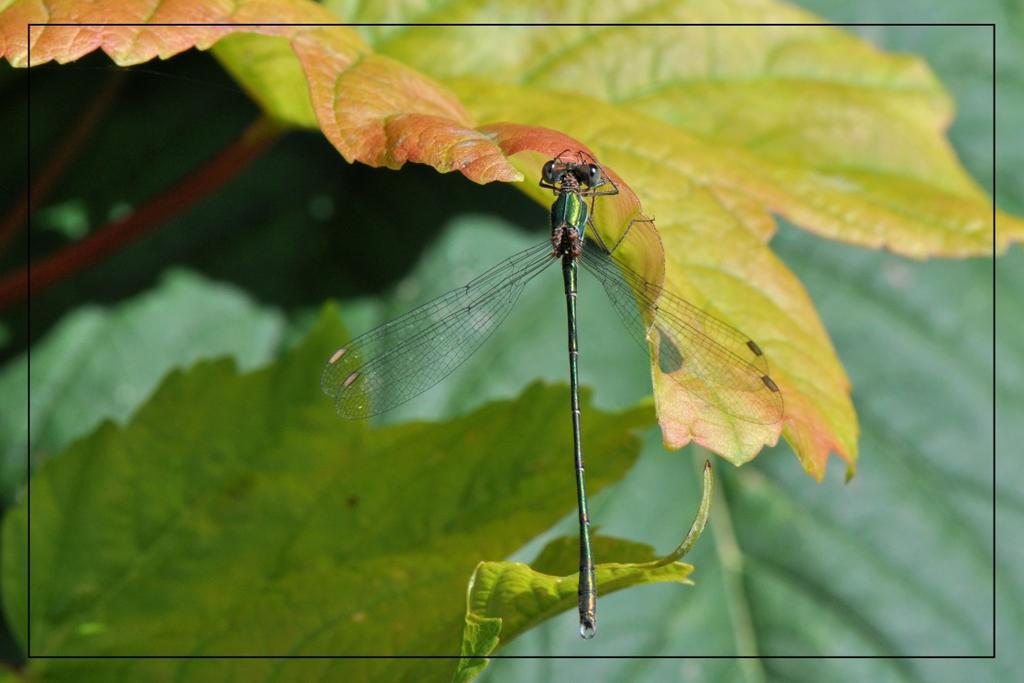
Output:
x,y
770,383
670,358
754,347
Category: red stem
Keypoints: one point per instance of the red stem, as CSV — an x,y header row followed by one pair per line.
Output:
x,y
226,165
63,155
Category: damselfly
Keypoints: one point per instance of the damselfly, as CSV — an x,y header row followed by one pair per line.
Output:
x,y
711,360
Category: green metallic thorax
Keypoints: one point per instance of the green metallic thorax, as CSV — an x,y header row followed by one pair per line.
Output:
x,y
570,209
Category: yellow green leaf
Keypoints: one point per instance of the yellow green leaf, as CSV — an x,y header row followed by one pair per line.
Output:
x,y
811,122
506,599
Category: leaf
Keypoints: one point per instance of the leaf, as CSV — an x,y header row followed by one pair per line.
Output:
x,y
372,108
417,120
911,568
507,598
717,263
236,513
809,122
521,598
102,364
744,150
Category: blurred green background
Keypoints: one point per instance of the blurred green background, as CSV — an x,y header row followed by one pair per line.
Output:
x,y
897,562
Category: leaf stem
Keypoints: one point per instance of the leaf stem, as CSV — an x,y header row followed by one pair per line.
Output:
x,y
731,558
217,172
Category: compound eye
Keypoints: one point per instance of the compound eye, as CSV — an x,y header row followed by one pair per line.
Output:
x,y
549,173
595,175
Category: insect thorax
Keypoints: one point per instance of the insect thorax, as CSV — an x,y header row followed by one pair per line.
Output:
x,y
570,210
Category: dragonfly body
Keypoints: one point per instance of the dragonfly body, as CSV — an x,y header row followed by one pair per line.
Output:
x,y
713,362
570,213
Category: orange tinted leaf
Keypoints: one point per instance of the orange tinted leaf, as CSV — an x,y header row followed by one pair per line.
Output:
x,y
372,108
383,113
128,45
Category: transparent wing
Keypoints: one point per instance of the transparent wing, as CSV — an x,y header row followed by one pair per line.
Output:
x,y
402,358
707,357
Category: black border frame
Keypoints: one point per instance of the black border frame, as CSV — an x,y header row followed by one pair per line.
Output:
x,y
28,653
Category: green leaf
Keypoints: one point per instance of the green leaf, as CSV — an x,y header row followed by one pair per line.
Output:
x,y
100,364
236,513
507,598
520,598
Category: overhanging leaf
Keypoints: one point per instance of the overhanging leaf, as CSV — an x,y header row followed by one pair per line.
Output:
x,y
236,513
372,108
737,165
